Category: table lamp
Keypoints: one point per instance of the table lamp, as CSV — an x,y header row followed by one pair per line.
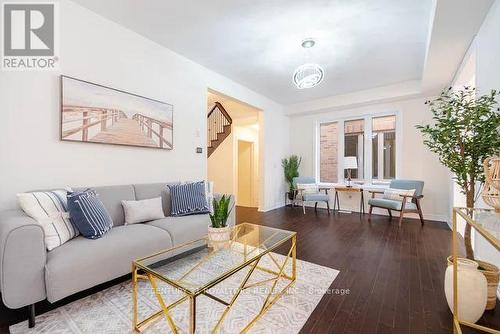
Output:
x,y
349,164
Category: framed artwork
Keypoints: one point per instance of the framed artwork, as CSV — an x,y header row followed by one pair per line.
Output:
x,y
93,113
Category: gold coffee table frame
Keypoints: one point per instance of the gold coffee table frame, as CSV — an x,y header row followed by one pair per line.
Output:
x,y
250,260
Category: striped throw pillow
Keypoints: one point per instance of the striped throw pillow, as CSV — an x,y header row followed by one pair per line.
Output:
x,y
88,214
50,210
188,199
395,194
308,188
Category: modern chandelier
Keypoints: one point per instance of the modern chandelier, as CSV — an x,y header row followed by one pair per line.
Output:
x,y
308,75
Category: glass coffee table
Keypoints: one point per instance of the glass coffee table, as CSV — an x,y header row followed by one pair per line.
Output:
x,y
194,268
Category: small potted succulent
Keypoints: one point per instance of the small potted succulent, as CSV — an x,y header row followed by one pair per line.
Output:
x,y
219,233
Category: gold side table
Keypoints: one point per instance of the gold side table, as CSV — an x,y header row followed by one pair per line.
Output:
x,y
476,218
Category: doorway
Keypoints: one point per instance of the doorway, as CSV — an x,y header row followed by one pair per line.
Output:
x,y
234,152
245,174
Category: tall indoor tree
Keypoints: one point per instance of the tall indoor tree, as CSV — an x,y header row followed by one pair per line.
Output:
x,y
465,131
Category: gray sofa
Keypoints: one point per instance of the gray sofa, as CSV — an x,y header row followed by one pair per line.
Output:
x,y
29,273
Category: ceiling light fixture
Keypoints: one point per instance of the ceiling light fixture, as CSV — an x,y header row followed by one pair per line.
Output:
x,y
308,75
308,43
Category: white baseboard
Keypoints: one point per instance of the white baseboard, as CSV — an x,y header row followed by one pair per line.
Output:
x,y
272,207
435,217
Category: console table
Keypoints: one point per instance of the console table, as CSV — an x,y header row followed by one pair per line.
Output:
x,y
346,189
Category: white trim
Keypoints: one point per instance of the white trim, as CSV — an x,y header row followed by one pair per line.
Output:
x,y
272,207
340,150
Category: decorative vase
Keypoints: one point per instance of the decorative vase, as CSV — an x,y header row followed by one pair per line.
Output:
x,y
491,191
219,237
472,289
492,274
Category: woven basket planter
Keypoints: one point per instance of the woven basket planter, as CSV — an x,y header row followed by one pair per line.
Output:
x,y
219,237
492,274
491,190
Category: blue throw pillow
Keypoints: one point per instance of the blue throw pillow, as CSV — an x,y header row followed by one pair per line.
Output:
x,y
88,214
188,199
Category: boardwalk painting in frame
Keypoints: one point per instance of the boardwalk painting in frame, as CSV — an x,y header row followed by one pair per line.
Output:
x,y
98,114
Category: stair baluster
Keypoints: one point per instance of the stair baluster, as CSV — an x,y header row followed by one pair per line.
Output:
x,y
219,127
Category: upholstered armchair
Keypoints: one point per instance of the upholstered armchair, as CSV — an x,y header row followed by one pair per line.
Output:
x,y
398,198
309,191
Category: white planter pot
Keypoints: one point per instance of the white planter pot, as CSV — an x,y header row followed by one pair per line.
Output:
x,y
472,290
219,237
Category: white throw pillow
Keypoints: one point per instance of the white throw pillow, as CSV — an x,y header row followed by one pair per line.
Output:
x,y
395,194
143,210
308,188
50,210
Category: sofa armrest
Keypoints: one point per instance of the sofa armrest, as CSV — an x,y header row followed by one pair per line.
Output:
x,y
231,221
22,259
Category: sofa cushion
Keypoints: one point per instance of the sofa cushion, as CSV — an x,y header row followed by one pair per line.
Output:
x,y
152,190
111,197
316,197
183,229
83,263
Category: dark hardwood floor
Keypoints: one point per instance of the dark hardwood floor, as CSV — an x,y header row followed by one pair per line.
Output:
x,y
394,275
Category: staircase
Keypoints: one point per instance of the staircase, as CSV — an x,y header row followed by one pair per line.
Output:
x,y
219,127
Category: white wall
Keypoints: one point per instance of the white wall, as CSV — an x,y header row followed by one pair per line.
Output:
x,y
487,50
223,163
249,133
221,167
415,162
98,50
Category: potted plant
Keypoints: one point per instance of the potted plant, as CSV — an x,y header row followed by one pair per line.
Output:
x,y
291,170
463,135
219,233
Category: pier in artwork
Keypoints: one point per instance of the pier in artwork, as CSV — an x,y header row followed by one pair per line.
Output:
x,y
113,126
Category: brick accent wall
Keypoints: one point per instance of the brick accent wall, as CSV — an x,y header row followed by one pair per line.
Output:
x,y
328,152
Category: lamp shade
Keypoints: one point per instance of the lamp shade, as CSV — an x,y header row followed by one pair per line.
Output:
x,y
350,163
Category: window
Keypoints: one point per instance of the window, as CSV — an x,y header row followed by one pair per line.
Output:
x,y
376,160
328,152
384,147
354,135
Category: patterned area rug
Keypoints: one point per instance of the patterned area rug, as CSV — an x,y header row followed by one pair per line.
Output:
x,y
110,311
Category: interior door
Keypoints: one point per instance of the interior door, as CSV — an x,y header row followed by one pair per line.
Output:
x,y
245,173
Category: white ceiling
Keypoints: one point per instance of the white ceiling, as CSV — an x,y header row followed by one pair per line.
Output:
x,y
361,44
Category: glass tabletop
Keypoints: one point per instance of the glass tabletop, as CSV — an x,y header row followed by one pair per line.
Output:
x,y
485,221
195,266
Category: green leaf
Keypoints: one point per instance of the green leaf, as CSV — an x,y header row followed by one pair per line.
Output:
x,y
465,131
291,169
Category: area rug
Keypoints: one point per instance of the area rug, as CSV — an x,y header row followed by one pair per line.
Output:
x,y
110,311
